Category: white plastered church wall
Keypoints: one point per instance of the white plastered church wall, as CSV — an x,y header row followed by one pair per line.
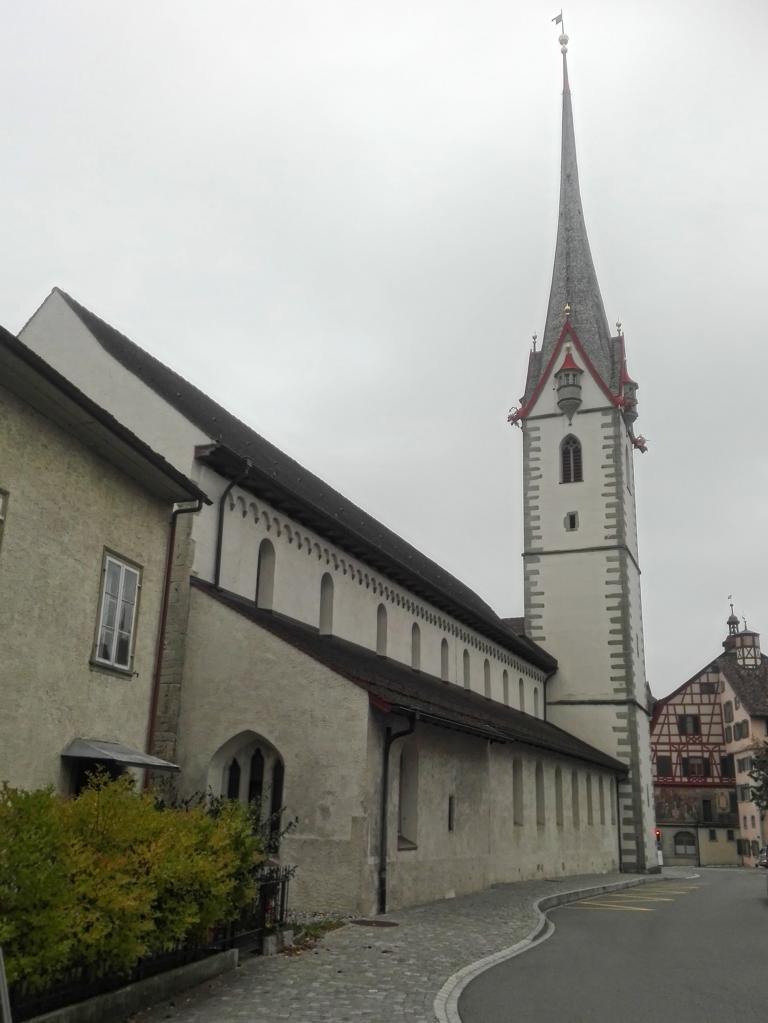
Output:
x,y
59,336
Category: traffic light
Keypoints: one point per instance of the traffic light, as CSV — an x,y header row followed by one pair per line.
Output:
x,y
658,838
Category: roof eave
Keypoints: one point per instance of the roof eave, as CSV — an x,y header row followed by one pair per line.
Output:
x,y
229,464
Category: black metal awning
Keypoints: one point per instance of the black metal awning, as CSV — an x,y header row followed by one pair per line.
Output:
x,y
115,752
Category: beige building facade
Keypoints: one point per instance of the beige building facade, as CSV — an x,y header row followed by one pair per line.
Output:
x,y
85,511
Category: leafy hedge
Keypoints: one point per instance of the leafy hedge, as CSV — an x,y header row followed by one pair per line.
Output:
x,y
101,880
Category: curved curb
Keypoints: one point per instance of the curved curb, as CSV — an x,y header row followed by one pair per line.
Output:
x,y
446,1004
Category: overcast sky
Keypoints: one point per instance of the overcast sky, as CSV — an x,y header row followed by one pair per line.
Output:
x,y
338,217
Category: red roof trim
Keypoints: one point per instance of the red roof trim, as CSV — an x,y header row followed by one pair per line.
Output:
x,y
566,332
568,363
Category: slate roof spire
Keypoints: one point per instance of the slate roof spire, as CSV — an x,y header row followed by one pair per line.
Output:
x,y
574,281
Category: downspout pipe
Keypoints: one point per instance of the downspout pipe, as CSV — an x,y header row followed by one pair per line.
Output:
x,y
390,739
618,822
183,510
220,527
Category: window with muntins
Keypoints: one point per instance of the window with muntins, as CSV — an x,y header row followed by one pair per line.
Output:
x,y
688,724
570,461
117,617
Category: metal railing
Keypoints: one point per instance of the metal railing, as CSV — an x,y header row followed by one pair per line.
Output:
x,y
267,912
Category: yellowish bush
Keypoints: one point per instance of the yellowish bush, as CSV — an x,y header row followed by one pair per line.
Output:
x,y
104,879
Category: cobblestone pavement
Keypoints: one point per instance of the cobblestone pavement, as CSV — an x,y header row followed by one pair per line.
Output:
x,y
372,974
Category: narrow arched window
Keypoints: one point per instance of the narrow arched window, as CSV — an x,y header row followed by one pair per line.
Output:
x,y
570,460
540,810
265,575
415,646
601,789
408,805
535,701
590,811
381,630
559,797
487,677
517,791
505,685
521,694
256,781
233,780
466,669
575,803
444,660
326,605
276,804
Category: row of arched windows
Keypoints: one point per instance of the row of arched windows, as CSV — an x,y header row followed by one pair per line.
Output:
x,y
265,584
265,591
518,805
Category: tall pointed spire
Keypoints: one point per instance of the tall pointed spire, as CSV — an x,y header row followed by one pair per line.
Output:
x,y
574,281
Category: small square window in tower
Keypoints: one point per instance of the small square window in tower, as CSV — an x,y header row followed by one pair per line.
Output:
x,y
571,521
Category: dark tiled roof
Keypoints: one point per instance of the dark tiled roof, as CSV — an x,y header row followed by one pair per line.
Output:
x,y
749,684
36,382
308,498
401,688
517,625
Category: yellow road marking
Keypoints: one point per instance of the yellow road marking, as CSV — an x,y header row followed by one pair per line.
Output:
x,y
611,905
644,898
667,891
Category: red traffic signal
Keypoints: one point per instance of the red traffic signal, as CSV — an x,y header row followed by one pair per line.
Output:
x,y
658,834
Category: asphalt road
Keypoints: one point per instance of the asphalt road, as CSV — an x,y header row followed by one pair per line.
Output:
x,y
692,951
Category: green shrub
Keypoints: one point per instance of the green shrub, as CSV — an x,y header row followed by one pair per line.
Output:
x,y
36,901
101,880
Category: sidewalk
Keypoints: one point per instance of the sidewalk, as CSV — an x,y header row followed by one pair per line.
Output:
x,y
374,974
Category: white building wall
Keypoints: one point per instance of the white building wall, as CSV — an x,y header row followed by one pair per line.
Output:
x,y
59,336
302,557
582,591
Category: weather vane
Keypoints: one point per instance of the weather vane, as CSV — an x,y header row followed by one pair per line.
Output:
x,y
563,40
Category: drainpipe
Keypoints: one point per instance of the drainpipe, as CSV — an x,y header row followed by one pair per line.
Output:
x,y
389,740
618,820
184,510
247,464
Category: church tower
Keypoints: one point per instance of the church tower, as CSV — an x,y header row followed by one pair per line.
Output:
x,y
582,573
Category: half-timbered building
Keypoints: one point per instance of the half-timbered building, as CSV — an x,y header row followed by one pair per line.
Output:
x,y
702,736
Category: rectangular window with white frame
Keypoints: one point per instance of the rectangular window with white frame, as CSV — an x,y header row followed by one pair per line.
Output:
x,y
120,586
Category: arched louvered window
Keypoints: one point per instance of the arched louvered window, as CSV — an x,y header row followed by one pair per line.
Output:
x,y
381,630
570,461
265,576
326,605
444,660
415,646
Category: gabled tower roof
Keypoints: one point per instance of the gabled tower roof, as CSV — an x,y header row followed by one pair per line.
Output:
x,y
574,281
